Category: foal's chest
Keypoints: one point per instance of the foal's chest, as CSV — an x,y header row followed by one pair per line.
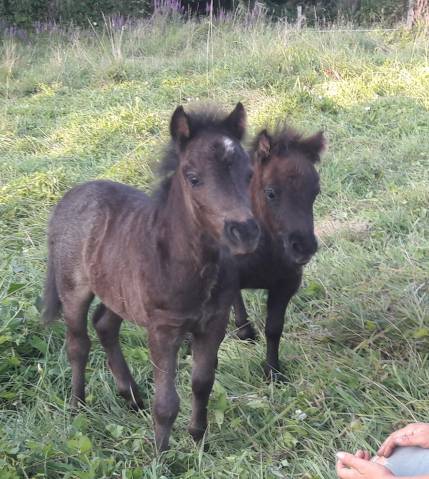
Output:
x,y
264,270
187,302
208,298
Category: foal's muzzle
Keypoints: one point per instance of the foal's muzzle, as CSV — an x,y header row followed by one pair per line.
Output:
x,y
300,247
242,236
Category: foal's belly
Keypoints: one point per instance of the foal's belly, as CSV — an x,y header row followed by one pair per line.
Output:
x,y
139,304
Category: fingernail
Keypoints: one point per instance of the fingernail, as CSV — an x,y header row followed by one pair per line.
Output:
x,y
340,455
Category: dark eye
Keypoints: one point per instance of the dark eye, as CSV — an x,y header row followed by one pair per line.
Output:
x,y
249,176
193,179
270,194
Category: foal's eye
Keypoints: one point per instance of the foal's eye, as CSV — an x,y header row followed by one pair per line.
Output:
x,y
270,194
193,179
249,176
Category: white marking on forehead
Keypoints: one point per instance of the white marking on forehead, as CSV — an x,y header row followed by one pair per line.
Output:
x,y
229,145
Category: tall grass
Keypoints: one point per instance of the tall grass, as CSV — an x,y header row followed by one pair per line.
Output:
x,y
77,105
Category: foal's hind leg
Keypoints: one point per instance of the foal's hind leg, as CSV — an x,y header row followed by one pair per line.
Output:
x,y
75,309
245,329
107,324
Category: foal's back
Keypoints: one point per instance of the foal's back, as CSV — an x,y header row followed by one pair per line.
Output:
x,y
91,228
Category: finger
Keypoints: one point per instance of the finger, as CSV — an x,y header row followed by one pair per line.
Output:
x,y
362,455
387,446
403,440
383,448
344,472
392,436
387,449
352,461
384,444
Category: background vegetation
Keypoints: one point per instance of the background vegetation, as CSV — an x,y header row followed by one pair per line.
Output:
x,y
28,13
77,105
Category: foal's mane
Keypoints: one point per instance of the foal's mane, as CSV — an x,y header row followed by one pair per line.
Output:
x,y
285,139
205,117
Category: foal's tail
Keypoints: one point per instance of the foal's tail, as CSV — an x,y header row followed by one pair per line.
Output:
x,y
51,300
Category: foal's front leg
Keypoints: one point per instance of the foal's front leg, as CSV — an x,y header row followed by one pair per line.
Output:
x,y
205,346
278,300
245,330
164,343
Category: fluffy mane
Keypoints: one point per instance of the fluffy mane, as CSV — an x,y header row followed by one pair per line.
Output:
x,y
284,139
205,117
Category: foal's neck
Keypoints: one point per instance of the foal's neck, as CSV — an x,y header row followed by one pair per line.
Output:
x,y
256,195
179,231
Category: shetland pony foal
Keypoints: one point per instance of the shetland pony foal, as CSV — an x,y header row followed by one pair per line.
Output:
x,y
283,189
160,262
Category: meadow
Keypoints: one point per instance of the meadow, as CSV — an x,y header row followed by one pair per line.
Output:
x,y
77,105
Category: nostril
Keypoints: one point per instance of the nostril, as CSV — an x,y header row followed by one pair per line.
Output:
x,y
235,233
296,246
239,232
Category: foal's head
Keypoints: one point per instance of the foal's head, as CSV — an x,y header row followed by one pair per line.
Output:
x,y
284,188
213,172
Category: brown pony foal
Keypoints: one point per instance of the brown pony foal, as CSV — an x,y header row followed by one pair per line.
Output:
x,y
161,262
283,189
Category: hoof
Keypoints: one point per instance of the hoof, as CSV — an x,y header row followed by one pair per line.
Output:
x,y
247,333
76,404
136,405
196,433
160,448
274,375
134,400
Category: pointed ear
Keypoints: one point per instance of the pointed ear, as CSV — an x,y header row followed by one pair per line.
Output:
x,y
179,125
314,146
262,146
236,121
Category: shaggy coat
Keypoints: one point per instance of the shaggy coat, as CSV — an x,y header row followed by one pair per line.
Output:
x,y
162,262
283,189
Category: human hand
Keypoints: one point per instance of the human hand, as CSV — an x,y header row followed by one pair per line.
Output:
x,y
359,466
363,455
412,435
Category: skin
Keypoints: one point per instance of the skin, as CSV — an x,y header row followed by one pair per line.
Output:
x,y
361,465
412,435
358,466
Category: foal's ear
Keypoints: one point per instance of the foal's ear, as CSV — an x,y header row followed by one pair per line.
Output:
x,y
314,146
263,146
236,121
179,125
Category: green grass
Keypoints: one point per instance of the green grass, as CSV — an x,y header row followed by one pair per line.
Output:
x,y
77,106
